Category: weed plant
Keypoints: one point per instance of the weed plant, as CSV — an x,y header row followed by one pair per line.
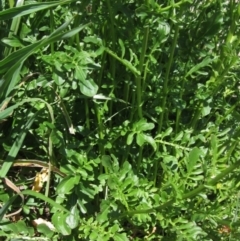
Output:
x,y
133,106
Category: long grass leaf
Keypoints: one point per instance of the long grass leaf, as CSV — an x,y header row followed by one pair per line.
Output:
x,y
18,142
14,27
5,207
5,113
16,147
46,199
10,64
30,8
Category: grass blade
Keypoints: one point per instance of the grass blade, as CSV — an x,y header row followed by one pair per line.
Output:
x,y
8,82
30,8
46,199
16,147
5,207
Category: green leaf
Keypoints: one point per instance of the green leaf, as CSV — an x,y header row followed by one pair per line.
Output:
x,y
106,162
67,184
94,235
171,163
212,25
205,62
94,40
150,141
103,215
125,62
140,139
114,228
193,159
87,190
126,168
163,31
22,227
73,218
44,229
165,133
12,42
7,112
88,87
122,47
3,234
130,138
179,136
120,237
59,221
206,110
58,79
8,227
82,206
10,79
142,125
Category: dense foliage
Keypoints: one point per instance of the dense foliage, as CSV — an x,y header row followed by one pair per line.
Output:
x,y
132,107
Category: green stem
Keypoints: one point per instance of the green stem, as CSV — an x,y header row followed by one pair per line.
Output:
x,y
113,60
139,87
140,69
126,92
100,133
196,116
139,158
123,61
132,113
174,5
188,195
165,92
126,153
166,81
52,25
87,114
179,110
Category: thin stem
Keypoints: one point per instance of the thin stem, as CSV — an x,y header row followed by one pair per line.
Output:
x,y
113,60
165,92
87,114
174,5
52,25
179,110
166,81
139,88
139,158
100,133
123,61
140,69
188,195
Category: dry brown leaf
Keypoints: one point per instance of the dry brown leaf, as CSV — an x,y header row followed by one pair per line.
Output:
x,y
40,178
